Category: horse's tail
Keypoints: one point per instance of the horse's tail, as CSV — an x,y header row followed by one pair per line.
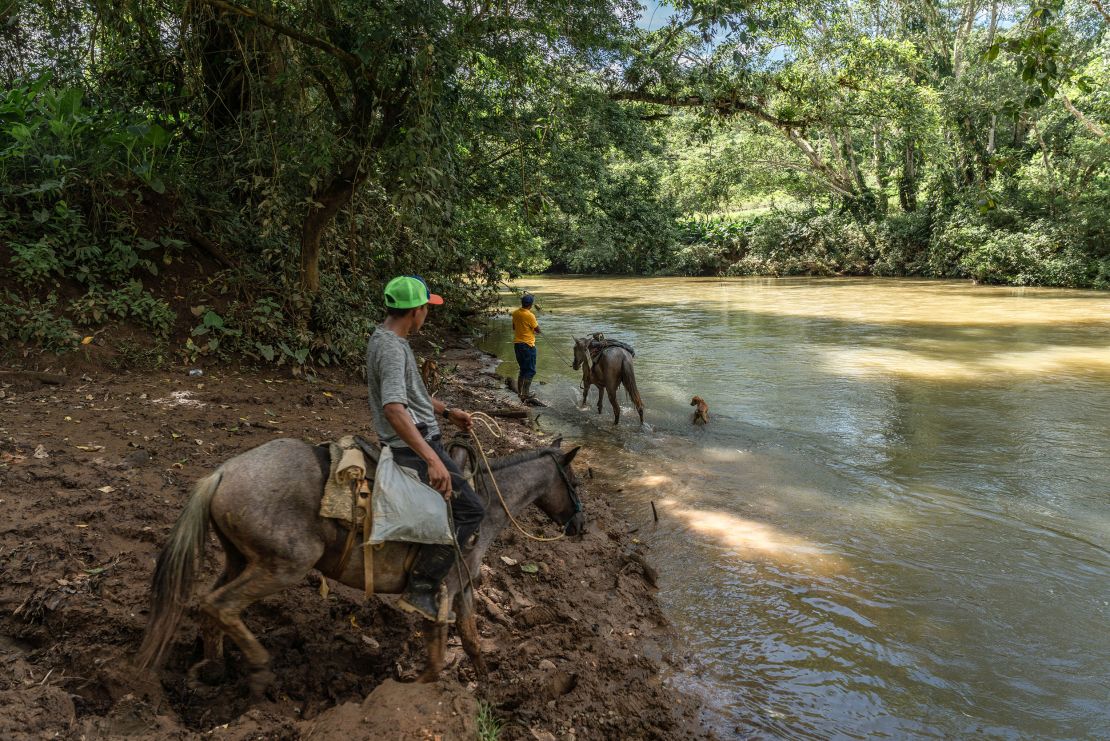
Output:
x,y
174,572
628,376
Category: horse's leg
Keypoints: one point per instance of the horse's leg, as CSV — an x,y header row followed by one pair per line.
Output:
x,y
435,642
467,624
225,605
600,397
612,391
211,668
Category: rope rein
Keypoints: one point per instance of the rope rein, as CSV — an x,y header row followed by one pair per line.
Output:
x,y
486,420
551,346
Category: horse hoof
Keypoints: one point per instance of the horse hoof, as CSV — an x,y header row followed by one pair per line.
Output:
x,y
427,677
260,682
209,672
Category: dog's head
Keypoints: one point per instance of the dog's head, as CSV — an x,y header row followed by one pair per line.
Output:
x,y
696,400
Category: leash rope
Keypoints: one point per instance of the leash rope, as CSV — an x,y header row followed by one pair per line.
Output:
x,y
486,419
551,346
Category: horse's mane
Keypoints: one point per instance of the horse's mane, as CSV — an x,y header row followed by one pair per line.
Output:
x,y
524,456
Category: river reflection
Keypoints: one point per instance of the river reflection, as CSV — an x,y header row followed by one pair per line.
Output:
x,y
897,521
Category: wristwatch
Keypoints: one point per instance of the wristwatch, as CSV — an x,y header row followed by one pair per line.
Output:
x,y
446,413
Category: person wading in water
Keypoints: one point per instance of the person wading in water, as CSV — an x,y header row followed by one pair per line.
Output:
x,y
525,329
406,419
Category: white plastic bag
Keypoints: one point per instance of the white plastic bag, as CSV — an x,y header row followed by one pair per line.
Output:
x,y
405,508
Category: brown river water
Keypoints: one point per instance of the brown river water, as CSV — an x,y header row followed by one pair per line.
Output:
x,y
896,524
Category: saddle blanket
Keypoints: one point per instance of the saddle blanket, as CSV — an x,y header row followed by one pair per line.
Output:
x,y
349,463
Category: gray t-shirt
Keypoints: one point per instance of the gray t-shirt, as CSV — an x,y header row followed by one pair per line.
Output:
x,y
392,377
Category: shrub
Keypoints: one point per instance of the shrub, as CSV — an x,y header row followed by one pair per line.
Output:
x,y
709,246
130,302
805,243
35,322
903,240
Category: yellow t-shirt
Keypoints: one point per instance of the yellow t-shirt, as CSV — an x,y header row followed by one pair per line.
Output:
x,y
524,325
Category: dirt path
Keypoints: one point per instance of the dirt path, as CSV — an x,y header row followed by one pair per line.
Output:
x,y
93,473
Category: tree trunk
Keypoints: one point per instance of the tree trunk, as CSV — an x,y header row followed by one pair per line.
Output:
x,y
331,198
866,197
988,161
880,167
907,184
1021,128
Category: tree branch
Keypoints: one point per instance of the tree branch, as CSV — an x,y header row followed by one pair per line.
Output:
x,y
722,106
329,91
731,106
1093,127
344,57
1101,10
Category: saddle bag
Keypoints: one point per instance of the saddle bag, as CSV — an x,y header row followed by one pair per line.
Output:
x,y
405,508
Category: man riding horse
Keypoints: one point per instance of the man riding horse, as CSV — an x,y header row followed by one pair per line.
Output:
x,y
406,419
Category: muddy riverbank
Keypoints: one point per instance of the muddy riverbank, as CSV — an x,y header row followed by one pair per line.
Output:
x,y
95,470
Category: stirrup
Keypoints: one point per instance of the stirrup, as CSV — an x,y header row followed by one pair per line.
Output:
x,y
444,615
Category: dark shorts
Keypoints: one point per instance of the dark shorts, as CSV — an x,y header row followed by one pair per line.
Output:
x,y
526,359
466,508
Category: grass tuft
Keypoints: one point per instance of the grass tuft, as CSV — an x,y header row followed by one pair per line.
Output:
x,y
489,727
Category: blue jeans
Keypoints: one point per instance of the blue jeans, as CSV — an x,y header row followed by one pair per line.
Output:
x,y
526,359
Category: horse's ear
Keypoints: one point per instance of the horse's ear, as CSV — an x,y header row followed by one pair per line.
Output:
x,y
569,455
557,442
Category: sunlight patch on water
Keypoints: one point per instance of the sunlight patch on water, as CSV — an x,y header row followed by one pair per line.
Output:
x,y
1072,361
749,536
655,479
724,455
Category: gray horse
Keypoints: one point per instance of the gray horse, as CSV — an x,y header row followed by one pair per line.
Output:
x,y
612,368
265,506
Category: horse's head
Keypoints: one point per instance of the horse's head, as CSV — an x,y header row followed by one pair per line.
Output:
x,y
561,501
581,353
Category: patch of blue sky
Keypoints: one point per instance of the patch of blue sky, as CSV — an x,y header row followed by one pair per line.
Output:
x,y
655,15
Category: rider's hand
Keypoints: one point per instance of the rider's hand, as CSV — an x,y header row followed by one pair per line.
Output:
x,y
439,478
461,420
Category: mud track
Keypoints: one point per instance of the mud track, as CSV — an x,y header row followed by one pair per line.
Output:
x,y
93,473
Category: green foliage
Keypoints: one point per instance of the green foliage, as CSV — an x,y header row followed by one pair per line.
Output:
x,y
1038,253
807,243
35,322
129,302
61,161
489,726
288,159
711,246
133,355
622,226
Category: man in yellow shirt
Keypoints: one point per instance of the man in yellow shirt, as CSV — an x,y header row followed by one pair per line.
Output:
x,y
525,329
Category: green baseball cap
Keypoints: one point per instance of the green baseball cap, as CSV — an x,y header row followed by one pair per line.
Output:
x,y
408,292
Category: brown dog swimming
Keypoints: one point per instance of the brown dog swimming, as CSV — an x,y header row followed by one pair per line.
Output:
x,y
701,413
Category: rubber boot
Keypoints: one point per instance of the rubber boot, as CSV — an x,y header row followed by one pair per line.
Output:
x,y
433,562
520,387
526,390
